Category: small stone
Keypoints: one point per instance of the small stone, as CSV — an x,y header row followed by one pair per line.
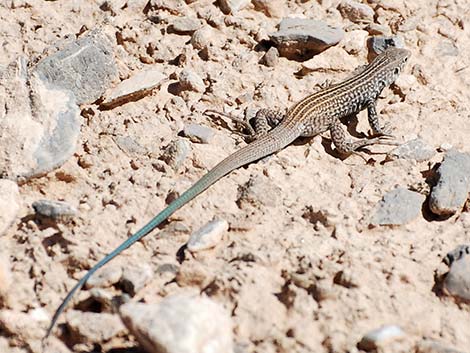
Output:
x,y
298,37
56,210
416,149
272,8
9,204
378,44
207,36
233,6
445,147
381,337
128,145
135,277
180,324
176,153
105,277
189,80
399,206
355,11
93,327
185,25
450,193
354,41
198,133
270,58
457,280
456,254
431,346
208,236
23,325
375,29
133,89
86,67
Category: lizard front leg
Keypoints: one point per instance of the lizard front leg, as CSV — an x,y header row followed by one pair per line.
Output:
x,y
374,121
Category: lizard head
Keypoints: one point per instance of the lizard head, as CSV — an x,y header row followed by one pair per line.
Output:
x,y
392,60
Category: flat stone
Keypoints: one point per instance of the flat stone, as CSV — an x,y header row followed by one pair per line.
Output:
x,y
41,126
198,133
134,88
57,210
92,327
355,11
208,236
233,6
415,149
298,37
381,337
86,67
450,193
399,206
180,324
9,204
185,25
457,280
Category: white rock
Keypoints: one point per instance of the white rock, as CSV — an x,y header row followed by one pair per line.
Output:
x,y
207,236
381,337
180,324
232,6
9,203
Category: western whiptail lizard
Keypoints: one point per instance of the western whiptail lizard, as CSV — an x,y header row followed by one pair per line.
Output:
x,y
315,114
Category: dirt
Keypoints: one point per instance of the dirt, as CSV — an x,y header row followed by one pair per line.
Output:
x,y
277,268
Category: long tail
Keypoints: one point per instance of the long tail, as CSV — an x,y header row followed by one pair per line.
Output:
x,y
274,141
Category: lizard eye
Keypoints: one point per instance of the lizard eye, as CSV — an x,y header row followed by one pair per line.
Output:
x,y
396,71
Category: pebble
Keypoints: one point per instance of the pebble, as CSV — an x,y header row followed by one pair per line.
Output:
x,y
208,236
40,134
233,6
23,325
185,25
191,81
176,153
180,324
381,337
9,204
305,37
270,58
457,280
133,89
85,67
105,277
354,41
415,149
135,278
378,44
92,327
57,210
198,133
207,36
450,193
272,8
399,206
355,11
377,29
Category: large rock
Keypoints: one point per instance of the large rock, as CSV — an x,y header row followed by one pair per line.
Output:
x,y
40,123
86,67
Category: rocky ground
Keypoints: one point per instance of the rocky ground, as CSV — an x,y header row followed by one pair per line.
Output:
x,y
102,125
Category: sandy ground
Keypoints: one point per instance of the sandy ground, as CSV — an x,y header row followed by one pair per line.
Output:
x,y
308,219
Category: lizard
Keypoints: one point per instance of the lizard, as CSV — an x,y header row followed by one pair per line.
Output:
x,y
317,113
